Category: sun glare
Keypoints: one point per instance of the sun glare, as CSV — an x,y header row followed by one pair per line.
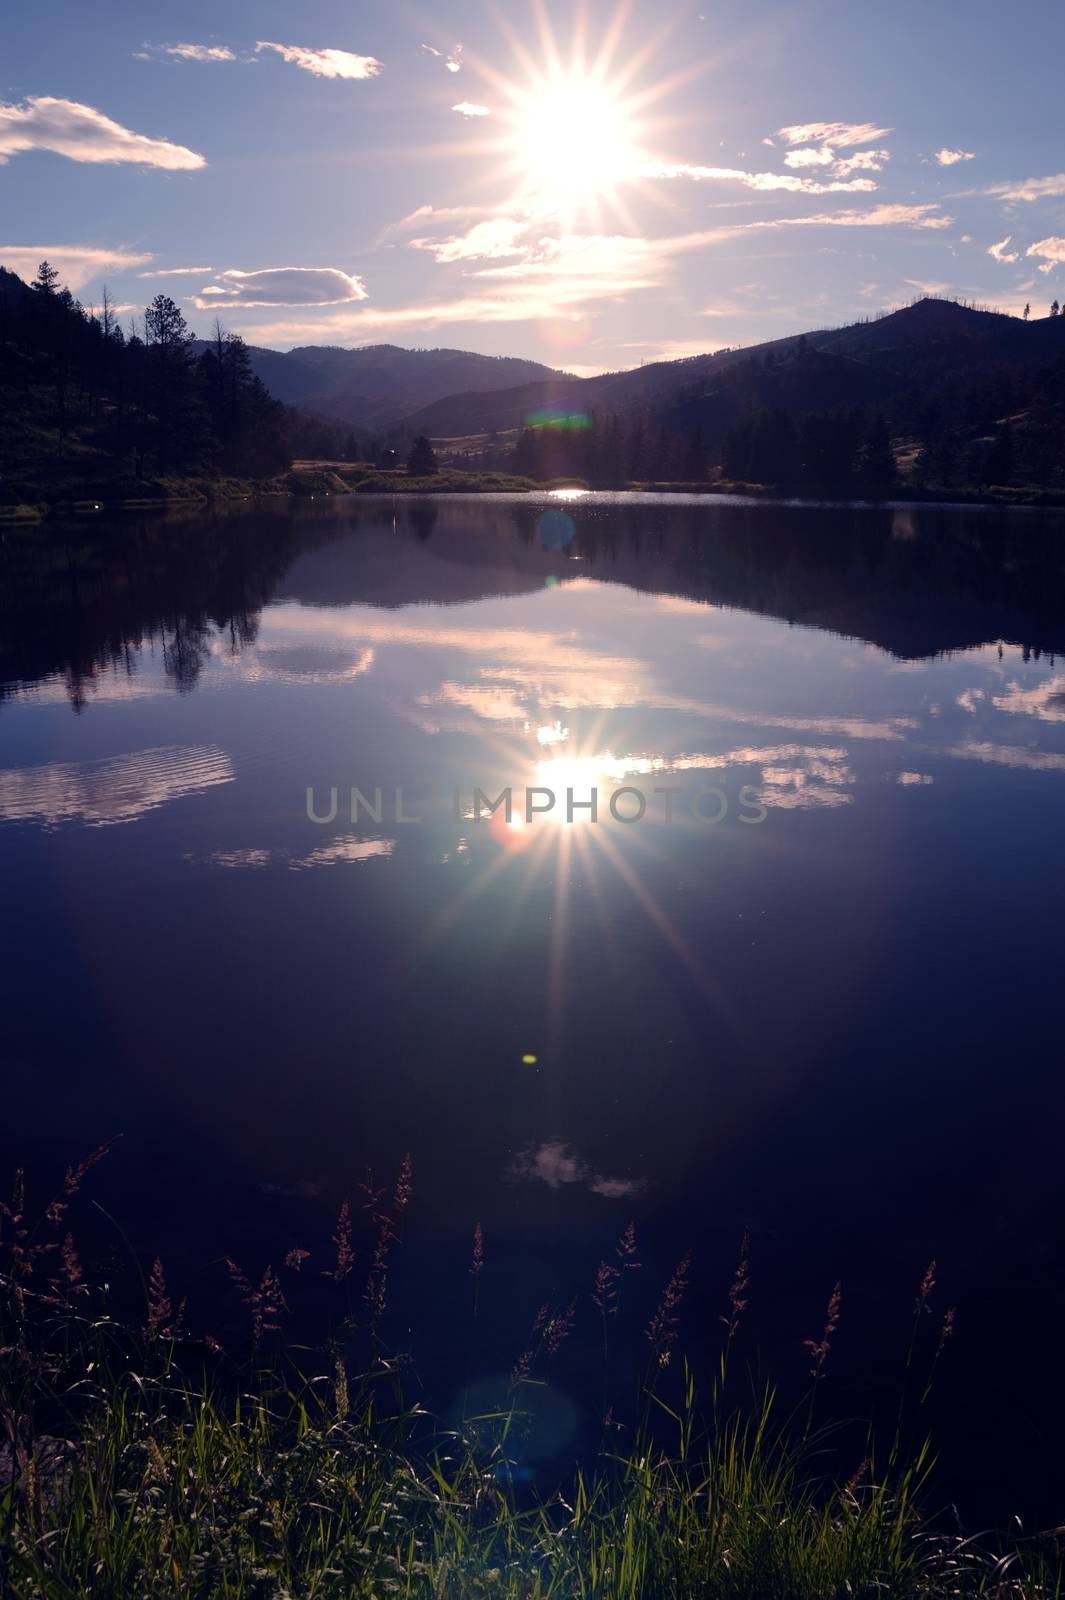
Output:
x,y
573,140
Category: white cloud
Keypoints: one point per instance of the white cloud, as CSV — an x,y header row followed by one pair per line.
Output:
x,y
839,135
765,181
1001,251
324,63
823,155
76,264
861,161
198,52
1030,188
80,132
281,286
950,158
467,108
1052,251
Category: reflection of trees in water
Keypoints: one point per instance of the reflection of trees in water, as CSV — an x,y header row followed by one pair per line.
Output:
x,y
422,517
80,600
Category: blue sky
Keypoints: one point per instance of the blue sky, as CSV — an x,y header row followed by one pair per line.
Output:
x,y
591,188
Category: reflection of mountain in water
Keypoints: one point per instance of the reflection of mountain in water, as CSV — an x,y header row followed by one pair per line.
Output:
x,y
916,581
77,601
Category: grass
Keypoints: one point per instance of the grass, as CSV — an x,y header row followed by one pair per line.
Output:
x,y
145,1462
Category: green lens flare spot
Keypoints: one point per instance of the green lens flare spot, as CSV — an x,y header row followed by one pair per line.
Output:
x,y
528,1061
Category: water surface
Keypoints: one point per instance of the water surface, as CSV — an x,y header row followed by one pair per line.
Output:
x,y
820,1001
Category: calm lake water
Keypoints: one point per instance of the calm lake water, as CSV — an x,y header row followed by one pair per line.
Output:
x,y
820,1001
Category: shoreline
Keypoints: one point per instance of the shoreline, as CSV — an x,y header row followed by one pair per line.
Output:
x,y
201,494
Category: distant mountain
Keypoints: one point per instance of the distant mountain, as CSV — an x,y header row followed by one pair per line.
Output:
x,y
876,365
378,386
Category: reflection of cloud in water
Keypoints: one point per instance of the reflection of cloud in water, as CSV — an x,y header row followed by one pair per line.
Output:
x,y
238,858
533,673
1007,755
100,686
911,780
969,699
119,789
791,776
557,1164
527,697
347,850
299,663
1046,702
807,778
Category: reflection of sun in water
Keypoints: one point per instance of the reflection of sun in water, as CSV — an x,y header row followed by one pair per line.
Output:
x,y
550,852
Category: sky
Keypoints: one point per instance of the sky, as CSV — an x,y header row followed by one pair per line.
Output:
x,y
590,186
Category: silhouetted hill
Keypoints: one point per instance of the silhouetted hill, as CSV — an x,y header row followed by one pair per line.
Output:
x,y
867,363
379,385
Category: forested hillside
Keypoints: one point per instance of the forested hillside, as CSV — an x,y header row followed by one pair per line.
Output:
x,y
90,410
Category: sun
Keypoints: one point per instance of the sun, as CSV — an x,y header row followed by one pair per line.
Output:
x,y
572,124
573,139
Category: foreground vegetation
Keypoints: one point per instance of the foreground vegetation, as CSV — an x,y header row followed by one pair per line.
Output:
x,y
142,1461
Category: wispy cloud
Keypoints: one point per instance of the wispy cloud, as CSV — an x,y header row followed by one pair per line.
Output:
x,y
493,238
76,264
281,286
176,272
882,216
950,158
837,135
468,108
787,182
81,133
196,52
452,59
1030,188
1002,251
324,63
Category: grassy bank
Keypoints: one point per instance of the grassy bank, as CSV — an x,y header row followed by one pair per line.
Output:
x,y
145,1460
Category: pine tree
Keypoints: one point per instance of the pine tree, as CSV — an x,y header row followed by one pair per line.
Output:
x,y
421,462
46,280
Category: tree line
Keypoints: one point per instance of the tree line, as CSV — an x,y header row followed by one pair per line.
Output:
x,y
86,396
822,452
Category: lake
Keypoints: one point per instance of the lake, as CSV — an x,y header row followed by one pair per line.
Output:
x,y
800,975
